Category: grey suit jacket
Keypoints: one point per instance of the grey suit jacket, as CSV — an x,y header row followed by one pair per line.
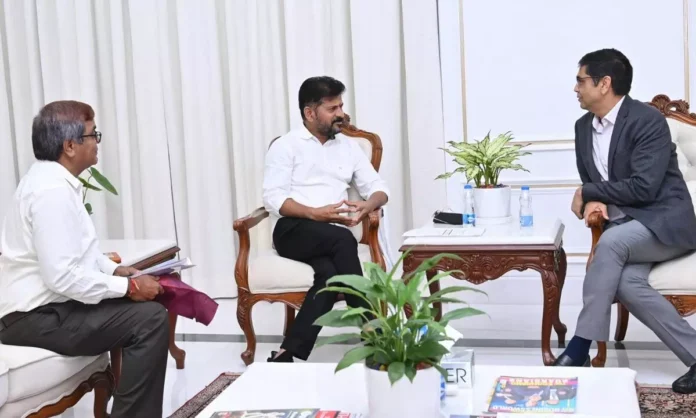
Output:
x,y
644,177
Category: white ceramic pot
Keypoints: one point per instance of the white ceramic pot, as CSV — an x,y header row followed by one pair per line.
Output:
x,y
405,399
492,203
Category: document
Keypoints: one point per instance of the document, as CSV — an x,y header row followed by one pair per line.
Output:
x,y
167,267
445,232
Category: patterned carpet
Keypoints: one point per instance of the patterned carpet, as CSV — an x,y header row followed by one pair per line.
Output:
x,y
655,401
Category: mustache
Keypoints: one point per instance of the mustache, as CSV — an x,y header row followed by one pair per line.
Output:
x,y
339,120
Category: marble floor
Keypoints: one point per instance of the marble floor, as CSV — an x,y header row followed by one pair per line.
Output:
x,y
205,360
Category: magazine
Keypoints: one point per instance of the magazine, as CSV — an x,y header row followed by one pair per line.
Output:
x,y
286,413
534,395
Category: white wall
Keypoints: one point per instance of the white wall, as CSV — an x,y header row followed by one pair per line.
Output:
x,y
511,65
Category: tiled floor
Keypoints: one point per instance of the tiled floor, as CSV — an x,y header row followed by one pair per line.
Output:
x,y
206,360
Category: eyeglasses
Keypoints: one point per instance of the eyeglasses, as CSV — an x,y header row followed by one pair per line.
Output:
x,y
579,80
96,135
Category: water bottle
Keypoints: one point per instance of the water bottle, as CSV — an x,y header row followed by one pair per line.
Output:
x,y
469,216
526,215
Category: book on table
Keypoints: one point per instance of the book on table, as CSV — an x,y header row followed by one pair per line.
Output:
x,y
555,395
286,413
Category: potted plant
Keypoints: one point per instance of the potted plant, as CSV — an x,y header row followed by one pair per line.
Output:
x,y
101,180
401,353
481,162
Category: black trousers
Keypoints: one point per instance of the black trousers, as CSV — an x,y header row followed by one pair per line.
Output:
x,y
76,329
330,250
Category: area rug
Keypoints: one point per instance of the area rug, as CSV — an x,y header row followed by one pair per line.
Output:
x,y
661,402
198,403
655,401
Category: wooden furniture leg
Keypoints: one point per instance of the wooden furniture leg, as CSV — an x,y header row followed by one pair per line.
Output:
x,y
245,304
621,322
177,353
104,387
289,319
558,326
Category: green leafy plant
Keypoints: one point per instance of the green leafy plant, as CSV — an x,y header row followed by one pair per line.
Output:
x,y
482,161
390,340
101,180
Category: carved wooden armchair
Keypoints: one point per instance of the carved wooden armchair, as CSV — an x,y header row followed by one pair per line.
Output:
x,y
675,278
271,278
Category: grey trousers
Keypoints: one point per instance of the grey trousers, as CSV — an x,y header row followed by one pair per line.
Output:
x,y
75,329
622,262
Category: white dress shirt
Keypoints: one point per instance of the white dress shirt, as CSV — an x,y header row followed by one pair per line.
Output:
x,y
300,168
601,141
49,246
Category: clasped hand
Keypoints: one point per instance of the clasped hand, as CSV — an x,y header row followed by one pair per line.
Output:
x,y
147,287
590,207
334,213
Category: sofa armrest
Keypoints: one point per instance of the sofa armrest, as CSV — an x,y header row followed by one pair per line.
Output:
x,y
242,226
595,221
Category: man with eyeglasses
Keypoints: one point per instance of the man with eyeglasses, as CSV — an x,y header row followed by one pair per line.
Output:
x,y
57,291
628,166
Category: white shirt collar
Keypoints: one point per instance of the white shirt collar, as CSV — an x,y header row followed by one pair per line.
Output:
x,y
609,118
58,170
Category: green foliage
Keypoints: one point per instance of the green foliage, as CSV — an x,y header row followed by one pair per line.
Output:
x,y
389,340
101,180
482,161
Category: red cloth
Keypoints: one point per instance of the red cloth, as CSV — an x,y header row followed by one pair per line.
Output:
x,y
184,300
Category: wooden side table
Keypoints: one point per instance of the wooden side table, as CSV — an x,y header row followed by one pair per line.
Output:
x,y
499,250
143,254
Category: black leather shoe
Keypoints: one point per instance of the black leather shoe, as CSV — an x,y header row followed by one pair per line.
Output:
x,y
286,357
565,361
687,383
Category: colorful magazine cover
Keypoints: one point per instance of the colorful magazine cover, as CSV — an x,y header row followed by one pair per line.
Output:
x,y
534,395
285,413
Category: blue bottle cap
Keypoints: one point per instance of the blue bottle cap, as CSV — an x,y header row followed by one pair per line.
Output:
x,y
525,187
467,186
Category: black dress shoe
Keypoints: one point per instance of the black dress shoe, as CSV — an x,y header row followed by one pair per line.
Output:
x,y
564,360
687,383
286,357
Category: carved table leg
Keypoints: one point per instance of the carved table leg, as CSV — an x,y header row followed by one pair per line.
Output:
x,y
552,296
558,326
435,287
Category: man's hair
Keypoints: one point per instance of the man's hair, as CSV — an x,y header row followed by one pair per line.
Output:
x,y
315,89
612,63
56,123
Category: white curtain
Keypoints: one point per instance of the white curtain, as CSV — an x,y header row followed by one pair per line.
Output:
x,y
189,93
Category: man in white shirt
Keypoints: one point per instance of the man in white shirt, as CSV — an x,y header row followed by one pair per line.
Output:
x,y
628,166
308,173
57,291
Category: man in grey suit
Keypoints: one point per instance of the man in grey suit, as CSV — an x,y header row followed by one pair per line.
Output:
x,y
628,166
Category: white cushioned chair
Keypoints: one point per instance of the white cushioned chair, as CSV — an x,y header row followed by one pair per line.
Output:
x,y
674,279
39,383
271,278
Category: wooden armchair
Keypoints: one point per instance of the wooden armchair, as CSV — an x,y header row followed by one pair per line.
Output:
x,y
271,278
674,278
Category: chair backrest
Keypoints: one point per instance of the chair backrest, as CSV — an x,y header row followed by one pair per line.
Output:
x,y
371,145
682,127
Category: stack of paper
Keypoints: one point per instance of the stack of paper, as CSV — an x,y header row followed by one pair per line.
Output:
x,y
167,267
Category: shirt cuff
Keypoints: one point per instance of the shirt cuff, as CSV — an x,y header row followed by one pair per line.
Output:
x,y
275,203
106,265
118,286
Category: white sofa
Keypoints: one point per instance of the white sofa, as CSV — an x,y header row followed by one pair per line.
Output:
x,y
33,380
